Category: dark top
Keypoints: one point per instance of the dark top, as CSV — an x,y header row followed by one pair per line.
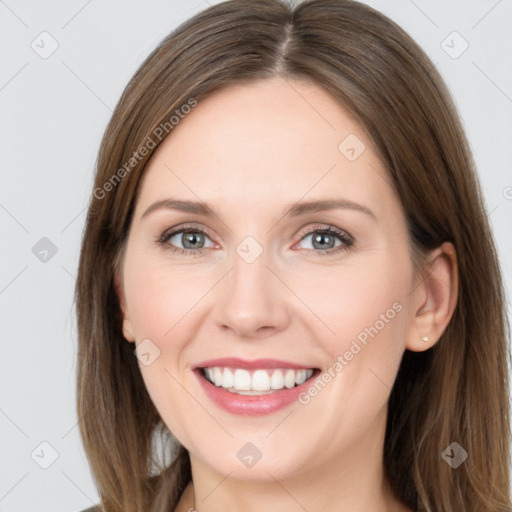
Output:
x,y
92,509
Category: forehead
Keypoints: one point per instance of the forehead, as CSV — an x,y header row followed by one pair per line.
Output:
x,y
265,143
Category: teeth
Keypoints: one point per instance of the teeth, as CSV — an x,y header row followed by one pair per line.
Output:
x,y
289,378
257,382
260,381
277,380
228,378
300,376
242,380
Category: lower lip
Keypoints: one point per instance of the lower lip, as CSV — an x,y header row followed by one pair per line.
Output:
x,y
252,405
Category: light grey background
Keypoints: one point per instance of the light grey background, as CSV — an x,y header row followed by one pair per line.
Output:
x,y
53,113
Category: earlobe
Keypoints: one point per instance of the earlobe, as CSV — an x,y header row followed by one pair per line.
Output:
x,y
127,324
128,330
434,300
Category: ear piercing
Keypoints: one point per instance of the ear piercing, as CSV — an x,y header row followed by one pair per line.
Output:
x,y
425,338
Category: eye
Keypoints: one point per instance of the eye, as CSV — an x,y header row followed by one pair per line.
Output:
x,y
189,240
192,240
327,240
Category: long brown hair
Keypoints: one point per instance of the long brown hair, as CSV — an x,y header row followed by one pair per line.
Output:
x,y
457,391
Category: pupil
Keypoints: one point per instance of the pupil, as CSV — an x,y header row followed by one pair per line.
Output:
x,y
319,237
191,238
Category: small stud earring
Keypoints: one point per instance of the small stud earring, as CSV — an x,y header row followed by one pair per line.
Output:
x,y
425,338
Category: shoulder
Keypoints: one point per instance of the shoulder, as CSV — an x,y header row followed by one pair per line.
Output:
x,y
96,508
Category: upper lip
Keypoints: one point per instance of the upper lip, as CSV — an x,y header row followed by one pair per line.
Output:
x,y
235,362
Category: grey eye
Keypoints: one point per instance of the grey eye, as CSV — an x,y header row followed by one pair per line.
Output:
x,y
322,240
190,239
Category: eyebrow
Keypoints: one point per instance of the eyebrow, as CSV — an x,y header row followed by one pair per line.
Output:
x,y
294,210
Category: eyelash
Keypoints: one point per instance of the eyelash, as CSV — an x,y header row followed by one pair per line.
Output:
x,y
346,240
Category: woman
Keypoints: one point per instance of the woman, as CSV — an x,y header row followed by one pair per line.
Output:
x,y
289,296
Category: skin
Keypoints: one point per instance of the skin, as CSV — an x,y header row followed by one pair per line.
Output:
x,y
291,303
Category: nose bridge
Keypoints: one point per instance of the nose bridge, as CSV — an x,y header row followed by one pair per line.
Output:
x,y
252,297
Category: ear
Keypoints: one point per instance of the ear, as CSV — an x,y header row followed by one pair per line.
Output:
x,y
127,324
434,299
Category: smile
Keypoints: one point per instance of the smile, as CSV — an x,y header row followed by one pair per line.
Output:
x,y
253,388
256,382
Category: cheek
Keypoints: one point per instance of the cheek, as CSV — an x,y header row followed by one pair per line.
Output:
x,y
163,304
368,312
358,299
364,307
159,296
156,306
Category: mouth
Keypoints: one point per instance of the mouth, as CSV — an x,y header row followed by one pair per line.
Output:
x,y
253,387
262,381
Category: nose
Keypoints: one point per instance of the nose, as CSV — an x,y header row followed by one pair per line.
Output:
x,y
252,302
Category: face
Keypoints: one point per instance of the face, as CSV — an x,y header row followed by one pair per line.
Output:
x,y
269,286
